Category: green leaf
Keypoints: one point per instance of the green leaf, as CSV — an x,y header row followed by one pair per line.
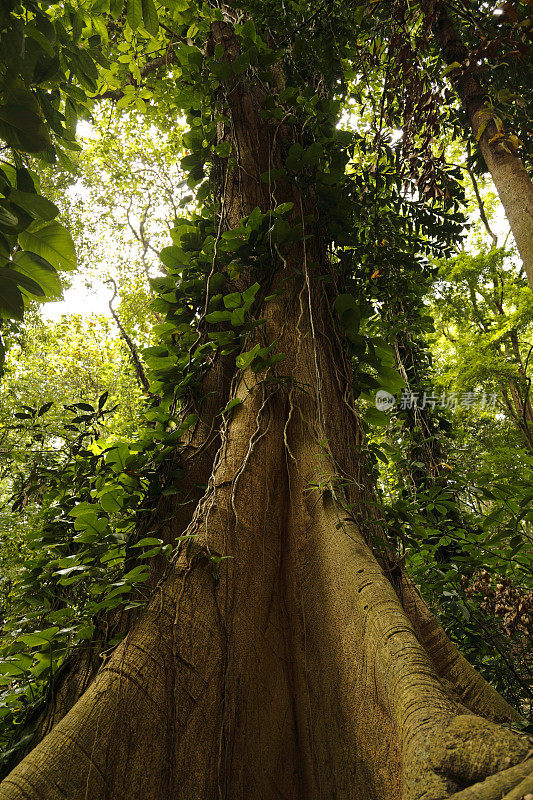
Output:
x,y
221,70
134,13
36,35
11,300
111,501
343,302
218,316
248,30
375,417
22,127
86,537
451,67
37,640
84,67
249,294
223,149
22,660
84,406
49,633
172,257
118,455
294,159
314,153
71,115
81,508
245,359
390,379
233,300
148,541
348,311
91,523
241,63
189,421
66,574
153,551
26,283
35,205
150,18
236,401
238,316
284,208
85,633
116,8
51,241
10,668
135,575
8,219
280,231
481,130
24,180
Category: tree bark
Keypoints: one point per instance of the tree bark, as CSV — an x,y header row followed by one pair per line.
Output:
x,y
508,172
278,658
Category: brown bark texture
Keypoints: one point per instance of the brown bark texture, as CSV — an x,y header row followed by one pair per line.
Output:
x,y
278,658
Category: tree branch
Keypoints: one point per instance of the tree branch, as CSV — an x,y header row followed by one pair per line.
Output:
x,y
141,375
480,204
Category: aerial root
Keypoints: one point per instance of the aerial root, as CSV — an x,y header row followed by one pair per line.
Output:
x,y
515,783
467,751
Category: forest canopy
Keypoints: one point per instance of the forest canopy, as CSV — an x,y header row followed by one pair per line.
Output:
x,y
266,433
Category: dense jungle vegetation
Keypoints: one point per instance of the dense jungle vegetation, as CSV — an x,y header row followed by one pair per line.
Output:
x,y
266,425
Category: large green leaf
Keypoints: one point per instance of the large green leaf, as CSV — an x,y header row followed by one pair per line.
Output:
x,y
40,270
111,502
51,241
172,257
346,308
150,18
29,285
36,205
22,128
84,67
71,115
390,378
91,523
11,300
8,668
134,13
8,218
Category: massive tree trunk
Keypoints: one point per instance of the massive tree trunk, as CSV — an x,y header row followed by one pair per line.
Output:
x,y
508,172
278,658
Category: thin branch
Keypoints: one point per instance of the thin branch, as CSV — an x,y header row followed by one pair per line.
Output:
x,y
141,375
480,203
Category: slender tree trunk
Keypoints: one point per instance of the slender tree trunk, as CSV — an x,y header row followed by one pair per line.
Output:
x,y
297,666
506,168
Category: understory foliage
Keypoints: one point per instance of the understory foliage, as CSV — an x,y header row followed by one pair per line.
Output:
x,y
88,465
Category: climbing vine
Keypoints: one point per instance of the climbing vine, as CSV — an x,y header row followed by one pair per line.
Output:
x,y
89,554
